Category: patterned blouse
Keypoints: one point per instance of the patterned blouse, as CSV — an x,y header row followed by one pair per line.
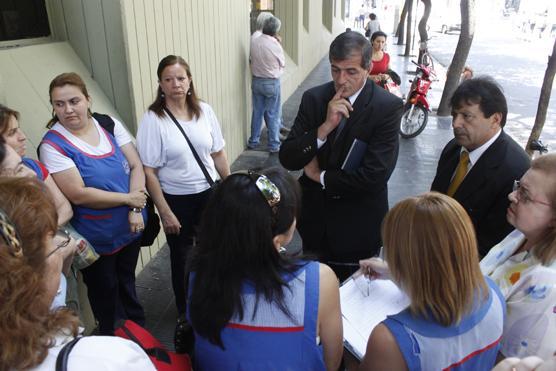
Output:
x,y
530,291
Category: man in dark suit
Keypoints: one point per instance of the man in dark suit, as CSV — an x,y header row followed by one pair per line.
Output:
x,y
478,167
342,210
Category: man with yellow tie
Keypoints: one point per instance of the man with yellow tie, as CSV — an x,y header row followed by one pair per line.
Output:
x,y
479,165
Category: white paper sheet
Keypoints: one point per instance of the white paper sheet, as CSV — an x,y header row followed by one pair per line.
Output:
x,y
360,313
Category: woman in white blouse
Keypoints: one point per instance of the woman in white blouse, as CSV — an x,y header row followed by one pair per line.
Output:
x,y
174,178
524,264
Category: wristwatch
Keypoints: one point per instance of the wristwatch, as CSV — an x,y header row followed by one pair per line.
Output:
x,y
135,209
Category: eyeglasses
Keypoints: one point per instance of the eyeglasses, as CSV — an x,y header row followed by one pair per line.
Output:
x,y
522,195
64,234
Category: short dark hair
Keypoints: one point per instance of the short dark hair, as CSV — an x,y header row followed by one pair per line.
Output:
x,y
236,244
271,26
485,92
372,16
348,44
378,34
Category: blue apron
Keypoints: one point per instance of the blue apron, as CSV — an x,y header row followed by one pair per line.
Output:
x,y
106,229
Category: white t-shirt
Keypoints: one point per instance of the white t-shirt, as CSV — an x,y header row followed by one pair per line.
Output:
x,y
161,145
56,161
93,353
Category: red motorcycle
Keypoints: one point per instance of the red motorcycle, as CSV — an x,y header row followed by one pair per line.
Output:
x,y
416,110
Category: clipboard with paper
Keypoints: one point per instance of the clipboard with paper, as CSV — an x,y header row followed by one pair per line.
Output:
x,y
362,311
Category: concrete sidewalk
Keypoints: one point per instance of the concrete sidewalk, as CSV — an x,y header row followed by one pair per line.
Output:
x,y
413,175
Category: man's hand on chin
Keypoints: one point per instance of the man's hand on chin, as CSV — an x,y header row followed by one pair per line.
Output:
x,y
312,170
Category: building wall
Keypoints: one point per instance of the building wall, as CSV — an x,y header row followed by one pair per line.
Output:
x,y
212,36
116,46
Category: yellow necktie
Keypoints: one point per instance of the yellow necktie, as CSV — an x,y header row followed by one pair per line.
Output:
x,y
461,171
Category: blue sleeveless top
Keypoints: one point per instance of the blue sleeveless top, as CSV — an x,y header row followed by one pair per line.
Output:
x,y
36,166
472,344
107,230
266,338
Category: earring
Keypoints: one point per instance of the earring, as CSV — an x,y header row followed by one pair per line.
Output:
x,y
189,92
281,250
162,95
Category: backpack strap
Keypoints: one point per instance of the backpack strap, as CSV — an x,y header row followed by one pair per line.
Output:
x,y
105,121
63,356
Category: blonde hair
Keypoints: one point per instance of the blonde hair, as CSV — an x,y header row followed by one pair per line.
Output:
x,y
431,249
545,251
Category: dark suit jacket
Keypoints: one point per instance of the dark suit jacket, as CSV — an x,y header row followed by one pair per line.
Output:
x,y
484,190
346,216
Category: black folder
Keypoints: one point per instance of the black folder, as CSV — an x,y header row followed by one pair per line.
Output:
x,y
354,156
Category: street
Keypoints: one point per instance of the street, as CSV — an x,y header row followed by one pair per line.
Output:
x,y
500,50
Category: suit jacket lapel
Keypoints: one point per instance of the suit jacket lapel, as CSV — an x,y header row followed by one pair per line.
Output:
x,y
360,110
480,172
446,170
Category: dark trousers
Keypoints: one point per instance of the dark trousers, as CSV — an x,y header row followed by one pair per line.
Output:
x,y
188,209
111,288
343,265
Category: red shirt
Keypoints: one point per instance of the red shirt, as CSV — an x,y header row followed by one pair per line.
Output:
x,y
381,66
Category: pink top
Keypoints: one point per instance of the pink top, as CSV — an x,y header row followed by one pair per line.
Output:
x,y
267,57
381,66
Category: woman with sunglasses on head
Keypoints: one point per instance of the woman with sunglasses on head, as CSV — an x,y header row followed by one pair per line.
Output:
x,y
523,265
175,179
31,255
100,172
252,306
15,138
455,316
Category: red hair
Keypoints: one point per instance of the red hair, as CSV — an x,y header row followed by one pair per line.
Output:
x,y
27,325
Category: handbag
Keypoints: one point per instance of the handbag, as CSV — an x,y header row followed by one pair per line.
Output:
x,y
152,228
210,181
162,359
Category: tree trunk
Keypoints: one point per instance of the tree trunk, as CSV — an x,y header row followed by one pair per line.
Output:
x,y
544,99
400,32
408,28
423,35
467,8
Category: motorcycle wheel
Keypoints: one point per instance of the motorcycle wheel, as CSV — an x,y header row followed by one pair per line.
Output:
x,y
413,121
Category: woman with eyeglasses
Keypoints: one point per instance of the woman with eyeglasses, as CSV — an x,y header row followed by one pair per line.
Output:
x,y
31,255
252,306
523,265
100,173
12,165
12,134
455,316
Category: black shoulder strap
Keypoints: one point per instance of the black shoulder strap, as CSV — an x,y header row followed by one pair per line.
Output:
x,y
197,158
63,356
105,121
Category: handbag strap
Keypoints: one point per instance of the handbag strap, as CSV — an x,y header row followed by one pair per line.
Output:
x,y
197,158
63,356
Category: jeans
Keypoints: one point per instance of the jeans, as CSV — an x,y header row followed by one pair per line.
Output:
x,y
266,103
